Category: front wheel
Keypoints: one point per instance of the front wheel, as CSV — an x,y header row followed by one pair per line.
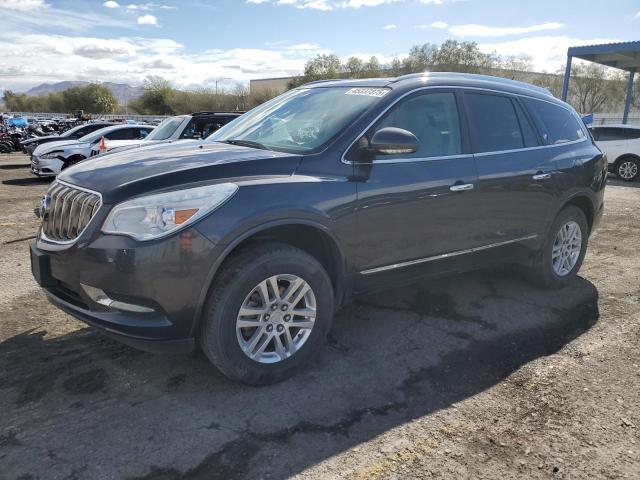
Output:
x,y
628,169
72,161
268,314
564,249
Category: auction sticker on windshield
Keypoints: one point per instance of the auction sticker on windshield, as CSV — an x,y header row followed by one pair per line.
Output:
x,y
370,92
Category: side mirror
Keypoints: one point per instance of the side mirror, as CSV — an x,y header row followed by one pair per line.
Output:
x,y
393,141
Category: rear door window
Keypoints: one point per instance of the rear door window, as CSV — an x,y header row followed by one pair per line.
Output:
x,y
558,124
123,134
494,123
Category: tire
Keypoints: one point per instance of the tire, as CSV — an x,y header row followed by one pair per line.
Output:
x,y
237,285
628,169
72,161
544,272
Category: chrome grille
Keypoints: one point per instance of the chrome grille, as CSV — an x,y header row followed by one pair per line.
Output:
x,y
70,211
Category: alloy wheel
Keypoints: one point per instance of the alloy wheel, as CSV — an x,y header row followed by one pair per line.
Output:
x,y
566,248
628,170
276,318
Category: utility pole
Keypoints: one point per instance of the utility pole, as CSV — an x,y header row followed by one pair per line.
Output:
x,y
220,80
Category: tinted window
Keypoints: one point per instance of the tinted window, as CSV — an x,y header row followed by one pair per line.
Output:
x,y
609,134
433,119
143,132
633,133
495,123
528,132
203,127
123,134
558,124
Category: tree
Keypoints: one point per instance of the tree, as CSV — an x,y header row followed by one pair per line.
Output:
x,y
354,67
372,67
92,98
588,87
517,67
157,97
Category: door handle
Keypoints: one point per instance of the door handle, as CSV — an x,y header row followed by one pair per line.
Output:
x,y
541,176
461,187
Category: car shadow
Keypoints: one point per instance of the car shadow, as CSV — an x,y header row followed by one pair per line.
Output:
x,y
113,411
26,182
14,166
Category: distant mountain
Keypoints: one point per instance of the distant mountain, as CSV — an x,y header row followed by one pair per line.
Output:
x,y
121,91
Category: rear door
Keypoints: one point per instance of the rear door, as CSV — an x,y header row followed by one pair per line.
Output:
x,y
516,175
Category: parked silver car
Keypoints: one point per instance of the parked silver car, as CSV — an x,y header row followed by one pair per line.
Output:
x,y
51,158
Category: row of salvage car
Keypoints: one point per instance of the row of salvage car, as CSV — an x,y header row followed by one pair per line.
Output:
x,y
52,154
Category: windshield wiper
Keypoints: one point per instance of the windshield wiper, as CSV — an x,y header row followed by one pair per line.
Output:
x,y
246,143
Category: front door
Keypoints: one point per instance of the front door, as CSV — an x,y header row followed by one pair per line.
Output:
x,y
416,206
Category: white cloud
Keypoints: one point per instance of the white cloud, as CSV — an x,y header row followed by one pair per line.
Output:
x,y
391,26
49,18
22,5
548,53
111,4
325,5
440,25
473,30
147,20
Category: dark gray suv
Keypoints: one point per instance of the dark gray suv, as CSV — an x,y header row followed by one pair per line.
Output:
x,y
248,241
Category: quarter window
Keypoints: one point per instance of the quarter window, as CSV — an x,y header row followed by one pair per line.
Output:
x,y
608,134
558,124
495,123
433,119
632,133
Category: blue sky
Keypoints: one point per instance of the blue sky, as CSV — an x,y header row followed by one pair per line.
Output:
x,y
195,42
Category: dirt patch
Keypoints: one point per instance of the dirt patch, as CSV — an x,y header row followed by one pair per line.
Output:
x,y
477,376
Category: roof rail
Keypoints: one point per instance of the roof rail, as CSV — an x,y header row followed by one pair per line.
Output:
x,y
316,82
221,112
477,76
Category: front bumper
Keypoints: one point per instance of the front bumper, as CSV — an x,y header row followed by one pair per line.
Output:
x,y
46,167
166,279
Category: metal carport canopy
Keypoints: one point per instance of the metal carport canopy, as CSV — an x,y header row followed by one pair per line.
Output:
x,y
623,56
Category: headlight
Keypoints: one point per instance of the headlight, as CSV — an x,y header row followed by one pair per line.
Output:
x,y
54,154
155,216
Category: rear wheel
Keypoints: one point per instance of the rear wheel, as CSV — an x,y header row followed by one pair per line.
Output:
x,y
268,314
564,249
628,169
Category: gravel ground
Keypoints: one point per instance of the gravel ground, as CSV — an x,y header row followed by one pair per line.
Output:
x,y
477,376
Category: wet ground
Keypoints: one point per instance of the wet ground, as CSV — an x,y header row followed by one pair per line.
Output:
x,y
476,376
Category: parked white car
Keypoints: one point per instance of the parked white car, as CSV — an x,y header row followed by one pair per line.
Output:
x,y
621,143
51,158
195,126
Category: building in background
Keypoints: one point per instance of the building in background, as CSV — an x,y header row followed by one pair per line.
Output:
x,y
269,85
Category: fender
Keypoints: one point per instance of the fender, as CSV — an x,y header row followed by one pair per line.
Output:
x,y
238,239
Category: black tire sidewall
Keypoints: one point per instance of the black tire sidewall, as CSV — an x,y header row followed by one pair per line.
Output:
x,y
624,160
219,340
549,276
